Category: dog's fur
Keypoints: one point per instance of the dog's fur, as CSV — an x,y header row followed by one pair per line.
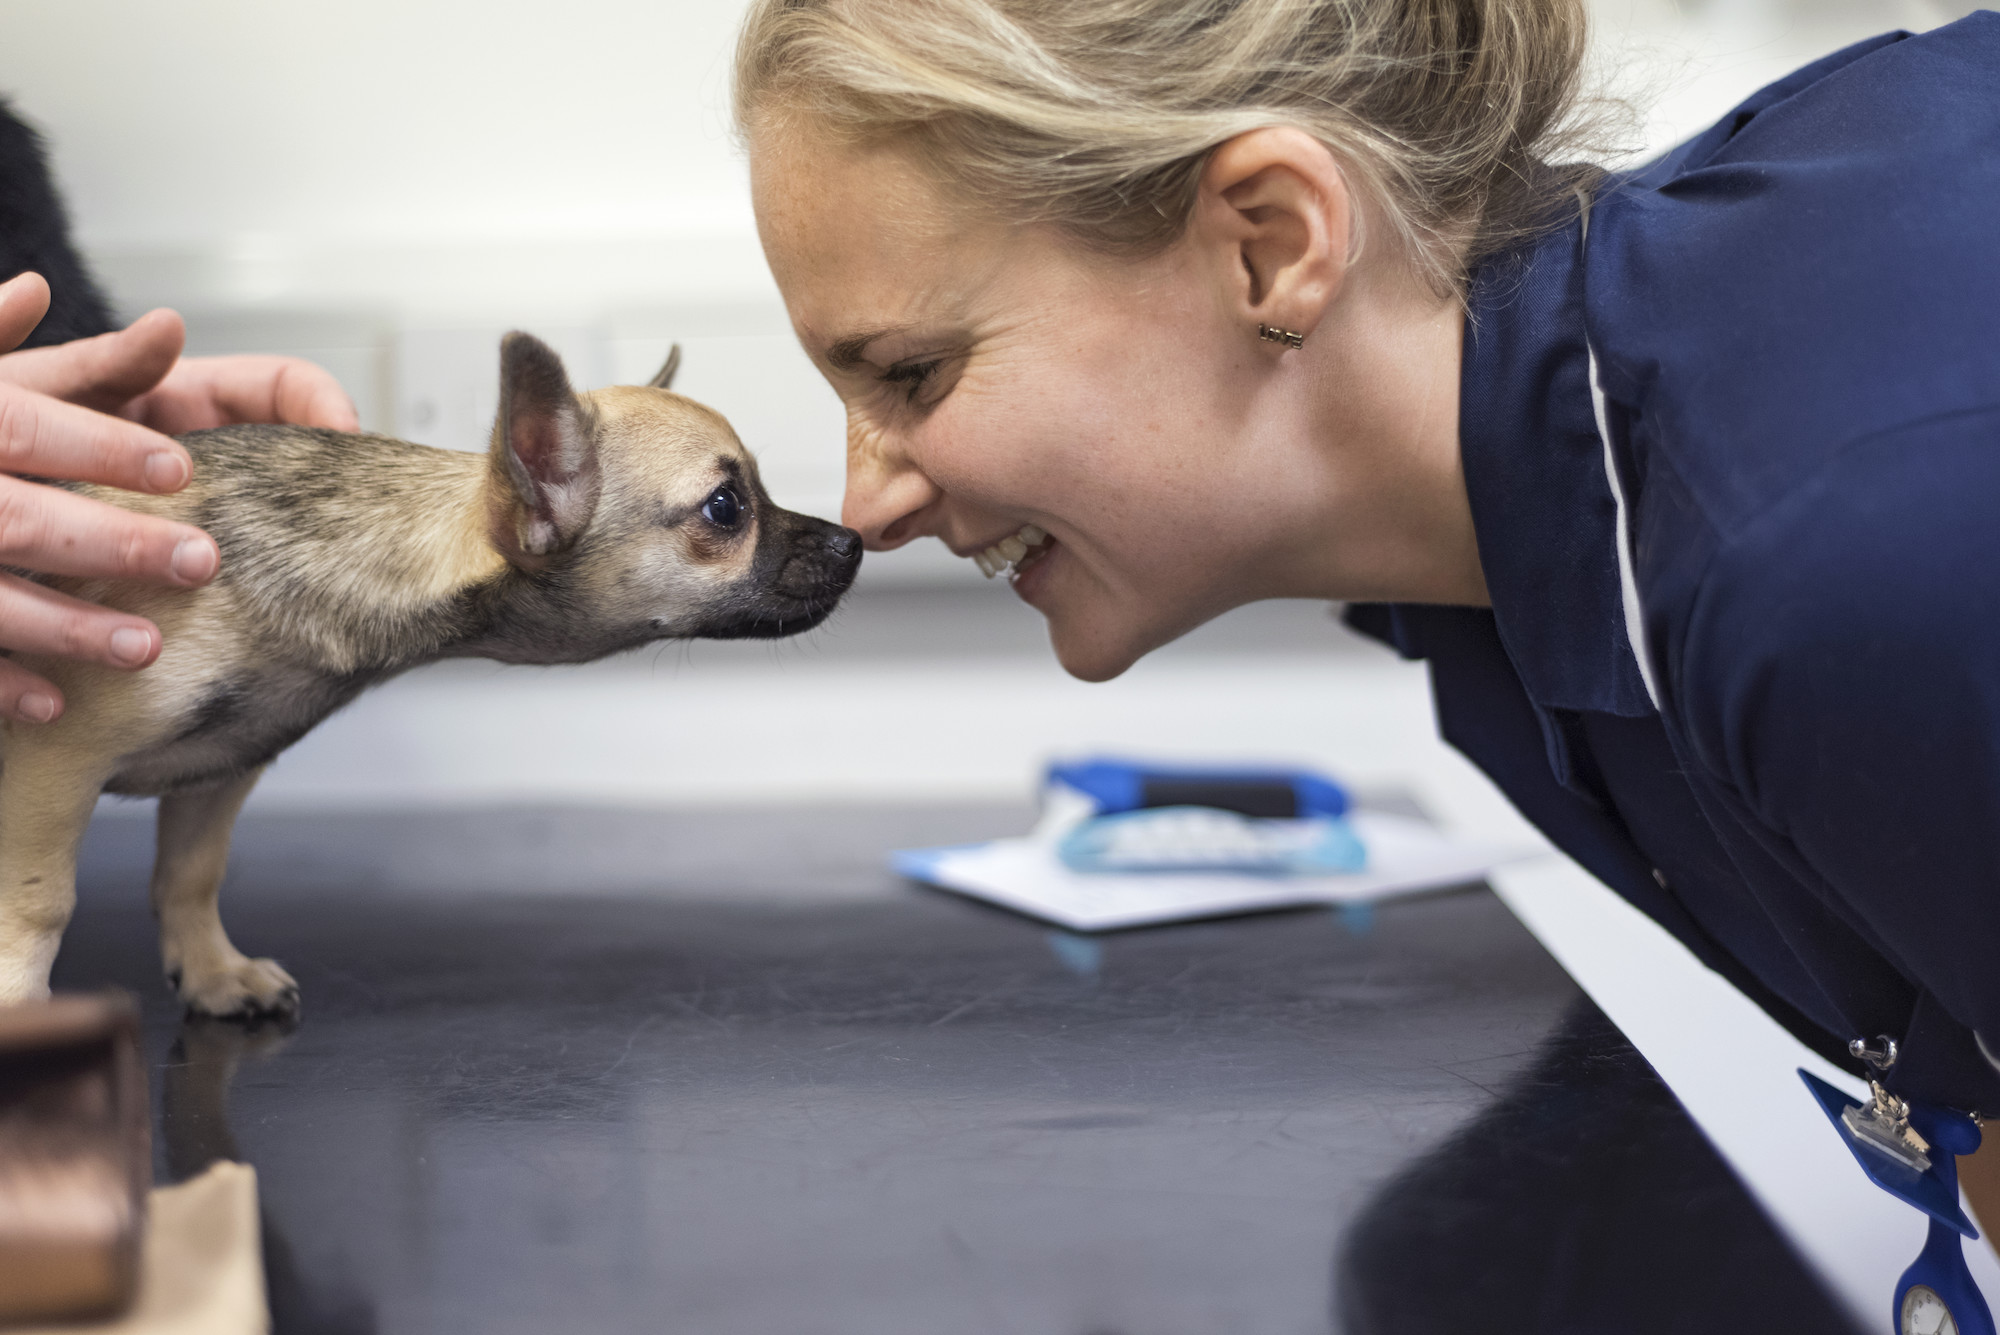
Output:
x,y
588,528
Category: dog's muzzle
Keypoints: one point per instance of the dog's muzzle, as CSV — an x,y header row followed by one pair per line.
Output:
x,y
806,570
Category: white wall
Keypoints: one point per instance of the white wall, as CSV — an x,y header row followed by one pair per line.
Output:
x,y
259,139
1683,63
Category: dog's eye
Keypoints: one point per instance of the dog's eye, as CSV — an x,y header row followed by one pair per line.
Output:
x,y
722,509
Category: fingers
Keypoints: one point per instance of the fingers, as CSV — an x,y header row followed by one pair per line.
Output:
x,y
38,620
106,372
307,394
35,619
45,437
24,300
217,391
60,533
25,697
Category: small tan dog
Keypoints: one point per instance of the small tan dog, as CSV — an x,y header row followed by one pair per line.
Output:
x,y
595,523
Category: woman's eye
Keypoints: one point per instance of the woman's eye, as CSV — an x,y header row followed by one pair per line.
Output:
x,y
913,377
722,509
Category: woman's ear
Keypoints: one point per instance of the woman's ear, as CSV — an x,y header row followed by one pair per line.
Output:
x,y
1275,213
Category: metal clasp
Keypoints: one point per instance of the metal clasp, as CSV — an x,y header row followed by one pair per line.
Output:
x,y
1883,1124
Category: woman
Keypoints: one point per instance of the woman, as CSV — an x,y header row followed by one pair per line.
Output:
x,y
1684,482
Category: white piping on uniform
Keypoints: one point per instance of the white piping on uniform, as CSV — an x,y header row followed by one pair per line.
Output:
x,y
1985,1051
1635,616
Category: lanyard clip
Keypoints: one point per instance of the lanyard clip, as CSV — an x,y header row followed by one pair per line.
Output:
x,y
1936,1295
1883,1124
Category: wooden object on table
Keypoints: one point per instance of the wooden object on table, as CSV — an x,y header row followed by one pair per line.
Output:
x,y
75,1157
202,1268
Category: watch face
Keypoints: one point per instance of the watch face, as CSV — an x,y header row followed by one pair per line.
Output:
x,y
1924,1313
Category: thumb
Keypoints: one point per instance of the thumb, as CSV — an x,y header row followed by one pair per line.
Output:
x,y
105,372
24,300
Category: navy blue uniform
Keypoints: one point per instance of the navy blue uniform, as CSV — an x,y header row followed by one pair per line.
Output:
x,y
1777,729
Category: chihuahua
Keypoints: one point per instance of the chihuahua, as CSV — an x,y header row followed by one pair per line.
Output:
x,y
595,523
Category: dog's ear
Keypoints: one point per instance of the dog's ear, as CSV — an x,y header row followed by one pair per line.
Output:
x,y
545,454
664,377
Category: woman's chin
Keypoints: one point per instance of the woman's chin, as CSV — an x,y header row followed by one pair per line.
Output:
x,y
1091,630
1093,664
1093,648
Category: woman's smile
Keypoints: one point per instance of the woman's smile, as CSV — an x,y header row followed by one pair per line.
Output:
x,y
1013,553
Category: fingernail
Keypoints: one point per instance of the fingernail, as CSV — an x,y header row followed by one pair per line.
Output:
x,y
129,645
35,707
166,470
194,560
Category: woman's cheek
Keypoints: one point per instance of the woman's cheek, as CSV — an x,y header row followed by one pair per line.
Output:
x,y
975,449
1043,441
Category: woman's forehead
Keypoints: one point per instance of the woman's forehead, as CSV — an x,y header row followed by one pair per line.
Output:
x,y
860,237
815,195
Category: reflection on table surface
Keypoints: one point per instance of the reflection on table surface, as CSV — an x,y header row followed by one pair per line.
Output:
x,y
719,1074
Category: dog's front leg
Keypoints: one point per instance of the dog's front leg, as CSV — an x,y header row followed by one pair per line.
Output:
x,y
211,976
46,797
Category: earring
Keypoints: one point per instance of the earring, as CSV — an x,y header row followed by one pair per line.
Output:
x,y
1271,334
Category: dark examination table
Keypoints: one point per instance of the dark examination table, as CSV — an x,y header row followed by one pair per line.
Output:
x,y
719,1073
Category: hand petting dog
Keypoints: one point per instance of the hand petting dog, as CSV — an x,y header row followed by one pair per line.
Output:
x,y
98,410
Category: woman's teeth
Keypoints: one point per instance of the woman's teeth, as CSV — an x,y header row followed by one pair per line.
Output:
x,y
1010,553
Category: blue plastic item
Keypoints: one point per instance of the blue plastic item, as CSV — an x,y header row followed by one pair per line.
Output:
x,y
1937,1285
1263,792
1192,839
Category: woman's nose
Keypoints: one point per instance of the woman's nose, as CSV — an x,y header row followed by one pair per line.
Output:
x,y
888,498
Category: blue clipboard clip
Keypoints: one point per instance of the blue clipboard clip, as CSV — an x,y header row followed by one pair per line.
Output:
x,y
1118,785
1936,1295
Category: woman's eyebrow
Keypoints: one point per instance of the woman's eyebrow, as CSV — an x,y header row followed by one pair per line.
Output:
x,y
846,353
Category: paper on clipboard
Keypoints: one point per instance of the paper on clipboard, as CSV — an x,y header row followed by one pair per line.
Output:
x,y
1024,874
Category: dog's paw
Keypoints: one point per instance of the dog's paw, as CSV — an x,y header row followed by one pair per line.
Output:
x,y
242,989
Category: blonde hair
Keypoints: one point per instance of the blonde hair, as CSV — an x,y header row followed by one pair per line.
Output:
x,y
1098,115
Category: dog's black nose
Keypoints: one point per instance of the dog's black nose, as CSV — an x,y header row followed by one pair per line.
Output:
x,y
845,544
